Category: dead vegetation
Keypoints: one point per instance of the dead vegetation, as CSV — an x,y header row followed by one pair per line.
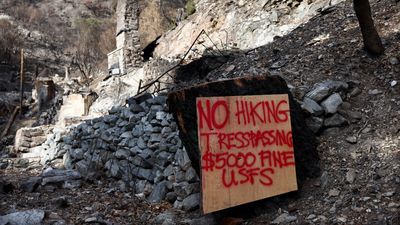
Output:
x,y
95,39
76,34
10,42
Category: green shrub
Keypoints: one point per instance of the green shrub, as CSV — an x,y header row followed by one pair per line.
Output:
x,y
190,7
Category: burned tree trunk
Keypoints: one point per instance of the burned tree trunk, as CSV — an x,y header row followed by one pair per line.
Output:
x,y
372,41
182,104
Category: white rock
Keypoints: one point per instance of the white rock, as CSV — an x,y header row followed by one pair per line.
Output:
x,y
350,175
29,217
284,218
334,192
331,104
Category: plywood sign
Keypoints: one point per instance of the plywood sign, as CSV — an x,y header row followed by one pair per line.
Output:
x,y
246,149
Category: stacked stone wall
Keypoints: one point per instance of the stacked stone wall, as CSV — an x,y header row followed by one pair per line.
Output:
x,y
137,145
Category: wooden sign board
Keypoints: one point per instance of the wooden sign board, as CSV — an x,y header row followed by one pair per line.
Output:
x,y
246,149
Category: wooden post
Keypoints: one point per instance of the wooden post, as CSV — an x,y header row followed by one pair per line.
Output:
x,y
66,73
36,71
140,87
21,81
9,123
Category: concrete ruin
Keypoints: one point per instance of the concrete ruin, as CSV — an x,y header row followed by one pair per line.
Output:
x,y
75,106
127,53
44,92
139,24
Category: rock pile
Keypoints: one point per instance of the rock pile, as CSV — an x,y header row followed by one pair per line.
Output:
x,y
138,145
325,106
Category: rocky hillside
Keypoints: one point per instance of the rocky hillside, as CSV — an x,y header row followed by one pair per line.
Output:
x,y
238,24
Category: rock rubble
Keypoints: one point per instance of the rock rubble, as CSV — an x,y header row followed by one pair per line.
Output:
x,y
325,106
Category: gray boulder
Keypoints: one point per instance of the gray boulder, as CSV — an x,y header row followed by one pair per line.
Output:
x,y
110,119
57,176
324,89
139,161
284,218
141,143
182,158
332,103
191,175
143,173
122,154
315,123
335,121
31,184
135,108
113,168
312,107
191,202
158,193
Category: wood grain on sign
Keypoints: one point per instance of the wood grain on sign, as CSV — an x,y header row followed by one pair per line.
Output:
x,y
246,149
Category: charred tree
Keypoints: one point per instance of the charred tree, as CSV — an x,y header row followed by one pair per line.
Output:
x,y
372,41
